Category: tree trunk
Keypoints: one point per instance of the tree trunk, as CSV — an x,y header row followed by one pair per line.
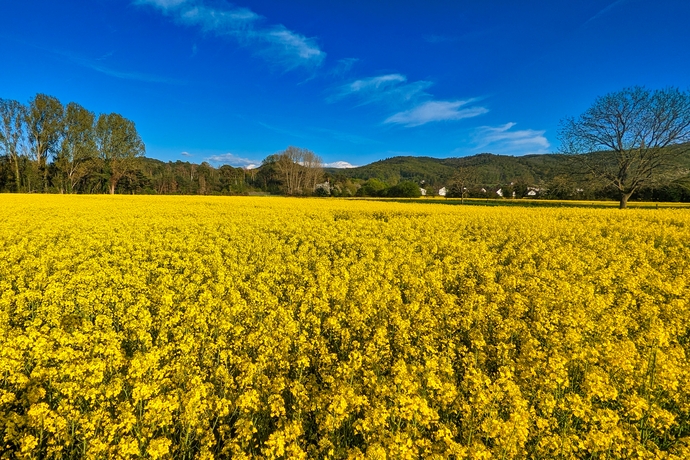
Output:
x,y
17,177
624,200
112,187
45,174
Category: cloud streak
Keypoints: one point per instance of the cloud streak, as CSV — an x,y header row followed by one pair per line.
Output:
x,y
503,139
395,90
343,66
432,111
275,43
97,66
136,76
603,11
391,88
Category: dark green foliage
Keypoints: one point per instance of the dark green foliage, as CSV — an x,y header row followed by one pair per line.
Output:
x,y
322,192
373,187
404,189
490,169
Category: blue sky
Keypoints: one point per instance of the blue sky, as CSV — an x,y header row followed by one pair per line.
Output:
x,y
354,80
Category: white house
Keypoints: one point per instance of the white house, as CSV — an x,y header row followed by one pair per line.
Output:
x,y
423,191
442,191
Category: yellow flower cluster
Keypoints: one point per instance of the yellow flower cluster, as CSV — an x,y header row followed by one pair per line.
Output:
x,y
202,327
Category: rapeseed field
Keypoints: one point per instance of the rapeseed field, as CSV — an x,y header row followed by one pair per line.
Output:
x,y
204,327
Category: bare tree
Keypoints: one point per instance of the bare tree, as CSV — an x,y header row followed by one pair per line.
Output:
x,y
12,133
299,169
119,146
44,123
313,169
626,138
462,180
289,167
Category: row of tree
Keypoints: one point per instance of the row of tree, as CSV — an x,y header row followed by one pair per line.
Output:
x,y
66,148
625,144
46,146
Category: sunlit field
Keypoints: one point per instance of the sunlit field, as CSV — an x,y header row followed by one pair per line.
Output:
x,y
255,327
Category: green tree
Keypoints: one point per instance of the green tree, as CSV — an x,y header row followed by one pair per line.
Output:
x,y
269,177
405,189
232,180
521,187
372,187
625,139
119,146
78,147
12,115
44,123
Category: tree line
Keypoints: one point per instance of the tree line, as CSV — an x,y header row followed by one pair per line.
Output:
x,y
632,143
51,147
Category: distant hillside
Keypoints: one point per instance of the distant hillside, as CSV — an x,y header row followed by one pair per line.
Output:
x,y
489,169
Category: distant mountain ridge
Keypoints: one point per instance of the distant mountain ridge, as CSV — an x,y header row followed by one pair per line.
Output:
x,y
488,169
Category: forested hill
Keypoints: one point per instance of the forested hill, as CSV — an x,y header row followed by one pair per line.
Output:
x,y
488,169
547,175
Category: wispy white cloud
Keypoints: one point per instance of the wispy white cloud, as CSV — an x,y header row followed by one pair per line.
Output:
x,y
431,111
233,160
375,83
186,154
105,56
339,165
276,43
603,11
163,3
503,139
395,90
343,66
390,88
97,65
137,76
